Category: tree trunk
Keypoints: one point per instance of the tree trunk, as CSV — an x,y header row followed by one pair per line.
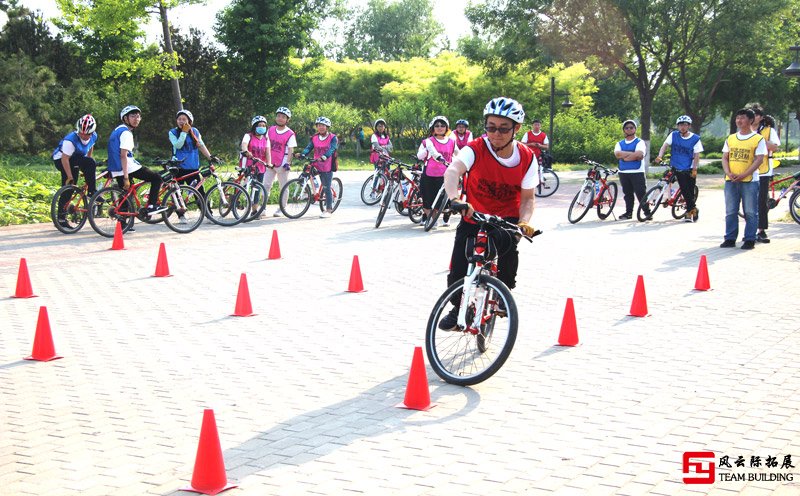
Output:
x,y
177,100
646,101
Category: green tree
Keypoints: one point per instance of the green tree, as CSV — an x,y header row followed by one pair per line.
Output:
x,y
24,113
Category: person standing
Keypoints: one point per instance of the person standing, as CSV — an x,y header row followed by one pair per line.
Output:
x,y
380,143
461,134
536,140
685,148
630,152
257,154
742,154
765,126
437,151
324,145
282,142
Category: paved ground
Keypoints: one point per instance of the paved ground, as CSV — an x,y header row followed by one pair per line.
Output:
x,y
304,393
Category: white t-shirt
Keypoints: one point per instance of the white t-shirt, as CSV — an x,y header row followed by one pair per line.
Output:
x,y
775,140
126,143
68,149
698,147
525,138
531,179
640,147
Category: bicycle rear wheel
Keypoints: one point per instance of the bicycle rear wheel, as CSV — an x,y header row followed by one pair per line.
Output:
x,y
415,206
372,188
652,199
109,206
69,209
469,356
386,199
336,188
583,201
185,209
296,197
436,208
259,196
794,206
227,204
549,184
608,199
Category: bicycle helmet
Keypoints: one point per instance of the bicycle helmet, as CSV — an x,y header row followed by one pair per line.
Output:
x,y
505,107
683,118
323,120
629,121
379,121
186,113
128,110
462,121
438,118
285,111
255,120
86,124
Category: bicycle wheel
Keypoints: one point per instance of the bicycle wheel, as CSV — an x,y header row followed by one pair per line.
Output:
x,y
652,199
107,207
794,205
582,202
336,188
398,200
386,198
458,356
436,208
296,197
608,199
185,209
549,184
415,206
679,207
68,209
227,204
259,197
372,189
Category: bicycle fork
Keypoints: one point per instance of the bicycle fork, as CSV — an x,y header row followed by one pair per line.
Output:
x,y
472,293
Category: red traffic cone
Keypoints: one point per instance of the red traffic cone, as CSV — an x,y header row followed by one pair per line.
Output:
x,y
418,397
569,327
243,306
209,466
639,303
274,247
43,348
702,283
162,266
24,289
119,243
356,284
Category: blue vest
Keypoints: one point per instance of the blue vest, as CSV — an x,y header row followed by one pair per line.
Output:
x,y
189,152
629,147
682,151
114,163
81,150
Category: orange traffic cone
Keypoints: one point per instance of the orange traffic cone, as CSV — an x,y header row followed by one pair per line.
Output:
x,y
209,466
43,348
639,303
702,283
569,327
274,247
356,284
119,243
243,306
24,289
162,266
418,397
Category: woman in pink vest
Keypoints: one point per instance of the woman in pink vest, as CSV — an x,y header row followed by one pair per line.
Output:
x,y
380,142
437,151
324,145
255,144
282,142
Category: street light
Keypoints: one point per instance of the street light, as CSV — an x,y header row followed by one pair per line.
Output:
x,y
566,104
793,71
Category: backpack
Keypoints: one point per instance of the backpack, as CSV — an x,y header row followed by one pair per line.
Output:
x,y
547,160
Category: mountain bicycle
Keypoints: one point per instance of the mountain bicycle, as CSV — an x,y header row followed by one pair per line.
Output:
x,y
393,191
298,194
256,191
548,182
487,314
408,197
373,186
793,189
665,193
69,207
596,191
226,202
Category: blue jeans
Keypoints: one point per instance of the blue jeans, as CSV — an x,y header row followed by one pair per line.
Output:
x,y
327,178
747,194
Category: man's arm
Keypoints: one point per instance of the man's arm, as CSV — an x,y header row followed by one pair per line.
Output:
x,y
526,205
452,174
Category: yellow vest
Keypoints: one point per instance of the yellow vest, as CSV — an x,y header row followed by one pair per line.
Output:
x,y
764,167
741,154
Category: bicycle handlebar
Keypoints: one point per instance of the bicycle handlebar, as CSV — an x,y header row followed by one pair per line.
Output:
x,y
494,220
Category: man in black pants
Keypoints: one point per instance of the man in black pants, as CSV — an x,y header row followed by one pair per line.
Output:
x,y
630,152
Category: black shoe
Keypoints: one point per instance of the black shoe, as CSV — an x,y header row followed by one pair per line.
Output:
x,y
625,217
131,229
762,237
501,311
748,245
728,243
450,321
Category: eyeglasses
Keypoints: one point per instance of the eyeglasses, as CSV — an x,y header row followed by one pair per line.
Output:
x,y
629,127
439,124
501,130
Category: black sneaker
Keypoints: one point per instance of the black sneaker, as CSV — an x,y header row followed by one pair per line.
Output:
x,y
762,237
728,243
748,245
423,220
625,217
450,321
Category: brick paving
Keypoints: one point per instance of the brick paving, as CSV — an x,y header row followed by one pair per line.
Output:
x,y
304,393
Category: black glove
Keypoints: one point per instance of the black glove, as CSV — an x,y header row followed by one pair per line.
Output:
x,y
459,206
441,160
214,159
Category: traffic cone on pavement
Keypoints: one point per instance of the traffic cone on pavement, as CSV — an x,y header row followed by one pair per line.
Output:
x,y
43,348
274,247
418,396
356,284
162,267
209,466
119,243
24,289
569,327
243,306
639,303
702,283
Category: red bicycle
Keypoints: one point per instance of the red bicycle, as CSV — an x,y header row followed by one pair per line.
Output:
x,y
69,208
596,191
298,194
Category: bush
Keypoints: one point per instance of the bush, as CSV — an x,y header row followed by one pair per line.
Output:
x,y
585,135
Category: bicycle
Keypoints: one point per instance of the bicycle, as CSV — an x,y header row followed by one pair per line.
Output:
x,y
298,194
226,202
665,194
69,206
184,207
596,191
408,197
389,193
480,344
548,182
256,191
794,200
373,186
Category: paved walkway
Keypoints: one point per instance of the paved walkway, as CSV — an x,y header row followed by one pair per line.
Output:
x,y
304,393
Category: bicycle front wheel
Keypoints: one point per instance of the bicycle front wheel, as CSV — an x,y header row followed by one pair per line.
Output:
x,y
372,188
336,189
549,184
109,206
296,197
69,209
581,204
185,209
227,204
386,199
794,205
607,201
472,355
652,200
415,206
436,208
259,196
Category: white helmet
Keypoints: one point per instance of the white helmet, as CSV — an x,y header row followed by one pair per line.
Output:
x,y
323,120
86,124
438,118
683,118
186,113
285,111
378,121
505,107
128,110
629,121
259,118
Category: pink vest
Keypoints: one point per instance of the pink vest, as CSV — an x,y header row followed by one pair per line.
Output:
x,y
278,143
373,157
434,168
258,147
320,148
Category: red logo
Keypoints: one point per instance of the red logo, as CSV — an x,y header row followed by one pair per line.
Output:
x,y
699,471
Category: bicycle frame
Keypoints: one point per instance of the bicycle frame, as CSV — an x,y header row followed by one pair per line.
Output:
x,y
772,202
476,267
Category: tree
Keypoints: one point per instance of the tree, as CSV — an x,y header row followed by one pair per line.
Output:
x,y
22,106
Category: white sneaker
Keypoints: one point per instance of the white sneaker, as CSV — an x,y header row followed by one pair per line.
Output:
x,y
325,215
445,223
182,220
277,213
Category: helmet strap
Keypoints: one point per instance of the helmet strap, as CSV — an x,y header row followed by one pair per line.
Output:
x,y
498,148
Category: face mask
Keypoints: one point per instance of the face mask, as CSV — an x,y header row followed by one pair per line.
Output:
x,y
85,142
261,130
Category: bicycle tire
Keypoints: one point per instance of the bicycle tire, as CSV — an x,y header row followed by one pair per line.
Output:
x,y
75,211
415,206
296,197
679,207
191,209
253,189
386,198
103,208
454,355
369,195
227,204
794,205
399,200
583,201
611,190
336,188
549,184
652,199
436,208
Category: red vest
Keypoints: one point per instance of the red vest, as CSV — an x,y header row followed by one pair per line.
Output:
x,y
536,139
493,188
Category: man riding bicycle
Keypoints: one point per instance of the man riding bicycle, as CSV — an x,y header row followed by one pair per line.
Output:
x,y
501,181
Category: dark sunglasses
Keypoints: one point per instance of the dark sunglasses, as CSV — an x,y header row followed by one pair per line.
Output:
x,y
501,130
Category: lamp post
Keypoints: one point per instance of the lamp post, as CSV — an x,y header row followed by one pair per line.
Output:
x,y
793,71
566,104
